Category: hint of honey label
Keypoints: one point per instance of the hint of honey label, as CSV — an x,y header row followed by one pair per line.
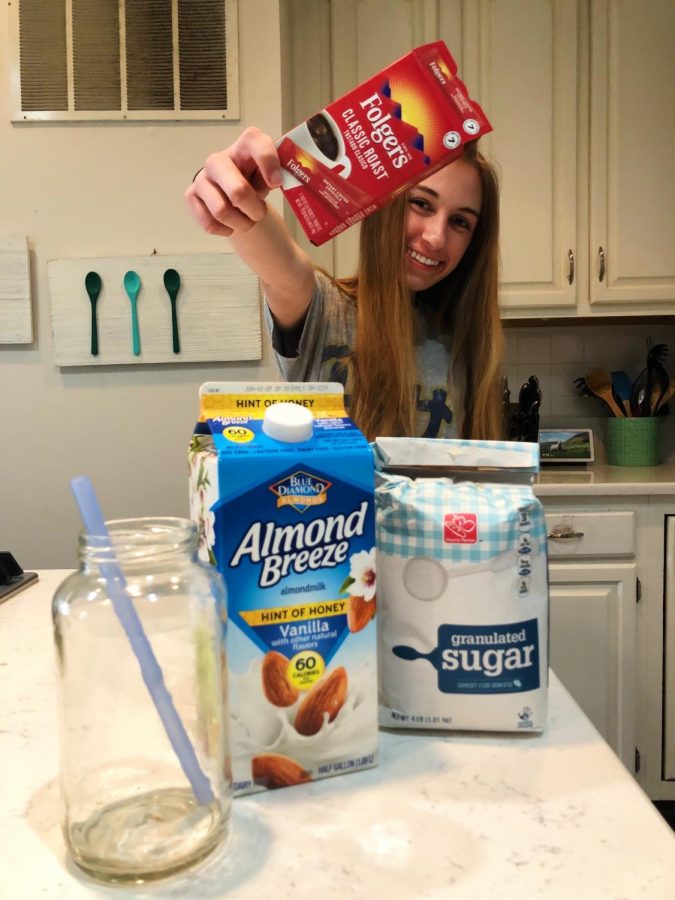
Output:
x,y
390,132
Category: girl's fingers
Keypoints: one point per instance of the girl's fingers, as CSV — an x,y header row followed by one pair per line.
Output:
x,y
256,155
221,207
221,172
203,217
230,190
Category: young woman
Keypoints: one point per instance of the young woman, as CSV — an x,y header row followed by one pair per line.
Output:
x,y
415,335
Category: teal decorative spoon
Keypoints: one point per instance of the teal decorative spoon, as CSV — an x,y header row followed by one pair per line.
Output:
x,y
172,285
132,285
92,283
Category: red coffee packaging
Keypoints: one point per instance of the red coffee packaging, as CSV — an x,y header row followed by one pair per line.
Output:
x,y
390,132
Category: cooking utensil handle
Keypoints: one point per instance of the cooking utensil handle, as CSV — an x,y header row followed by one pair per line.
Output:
x,y
611,402
174,326
570,269
601,255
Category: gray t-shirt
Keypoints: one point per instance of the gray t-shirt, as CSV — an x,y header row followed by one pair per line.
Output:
x,y
325,354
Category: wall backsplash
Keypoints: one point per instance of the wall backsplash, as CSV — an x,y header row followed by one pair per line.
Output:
x,y
559,354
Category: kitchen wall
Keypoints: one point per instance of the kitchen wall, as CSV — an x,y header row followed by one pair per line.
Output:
x,y
90,190
557,354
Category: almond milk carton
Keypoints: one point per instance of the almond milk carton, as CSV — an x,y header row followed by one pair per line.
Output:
x,y
281,486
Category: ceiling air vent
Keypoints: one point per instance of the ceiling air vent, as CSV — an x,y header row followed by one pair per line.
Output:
x,y
75,60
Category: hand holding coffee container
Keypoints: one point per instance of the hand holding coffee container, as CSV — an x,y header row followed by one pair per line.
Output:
x,y
139,633
390,132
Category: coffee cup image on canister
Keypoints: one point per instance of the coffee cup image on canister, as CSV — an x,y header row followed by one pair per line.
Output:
x,y
320,137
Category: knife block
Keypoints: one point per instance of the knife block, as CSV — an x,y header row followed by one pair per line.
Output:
x,y
521,426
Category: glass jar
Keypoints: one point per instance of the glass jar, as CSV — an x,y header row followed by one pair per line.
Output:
x,y
130,812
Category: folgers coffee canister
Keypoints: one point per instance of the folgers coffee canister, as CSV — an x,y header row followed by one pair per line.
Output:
x,y
390,132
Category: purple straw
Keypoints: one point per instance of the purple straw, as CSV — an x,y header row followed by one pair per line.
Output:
x,y
95,526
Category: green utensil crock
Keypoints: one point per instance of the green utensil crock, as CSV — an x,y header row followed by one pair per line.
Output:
x,y
634,442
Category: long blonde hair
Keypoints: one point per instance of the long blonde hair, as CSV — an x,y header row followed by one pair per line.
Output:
x,y
465,305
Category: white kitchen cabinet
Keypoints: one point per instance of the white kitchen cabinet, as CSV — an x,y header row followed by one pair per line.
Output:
x,y
669,651
580,96
593,594
656,651
522,61
592,649
632,163
612,588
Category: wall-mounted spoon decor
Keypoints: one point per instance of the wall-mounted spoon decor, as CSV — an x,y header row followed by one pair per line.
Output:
x,y
92,283
217,306
172,285
132,285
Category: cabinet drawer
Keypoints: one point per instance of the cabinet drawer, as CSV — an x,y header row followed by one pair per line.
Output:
x,y
669,655
584,534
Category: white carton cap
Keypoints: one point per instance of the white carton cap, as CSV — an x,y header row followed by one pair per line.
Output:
x,y
288,422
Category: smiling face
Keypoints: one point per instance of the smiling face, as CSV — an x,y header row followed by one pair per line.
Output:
x,y
441,218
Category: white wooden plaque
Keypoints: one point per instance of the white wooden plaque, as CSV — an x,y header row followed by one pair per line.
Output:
x,y
16,321
218,310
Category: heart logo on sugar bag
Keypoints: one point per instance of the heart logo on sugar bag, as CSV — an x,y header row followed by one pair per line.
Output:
x,y
460,528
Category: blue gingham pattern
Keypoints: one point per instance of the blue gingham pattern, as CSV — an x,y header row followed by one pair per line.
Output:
x,y
410,515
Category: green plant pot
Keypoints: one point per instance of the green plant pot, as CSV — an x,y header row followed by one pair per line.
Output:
x,y
634,442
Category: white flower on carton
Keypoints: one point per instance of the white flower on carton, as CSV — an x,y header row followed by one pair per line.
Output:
x,y
362,570
361,586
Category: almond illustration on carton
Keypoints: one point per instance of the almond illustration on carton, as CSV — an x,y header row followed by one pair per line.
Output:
x,y
276,771
359,612
276,686
326,697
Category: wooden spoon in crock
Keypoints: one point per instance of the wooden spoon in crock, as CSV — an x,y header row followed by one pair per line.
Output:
x,y
600,382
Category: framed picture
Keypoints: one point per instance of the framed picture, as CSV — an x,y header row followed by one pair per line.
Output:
x,y
566,445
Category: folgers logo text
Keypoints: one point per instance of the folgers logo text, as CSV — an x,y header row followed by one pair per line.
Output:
x,y
301,490
300,173
460,528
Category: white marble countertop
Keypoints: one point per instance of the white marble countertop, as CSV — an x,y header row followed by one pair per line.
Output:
x,y
452,815
599,479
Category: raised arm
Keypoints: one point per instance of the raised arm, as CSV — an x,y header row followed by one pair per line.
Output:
x,y
228,198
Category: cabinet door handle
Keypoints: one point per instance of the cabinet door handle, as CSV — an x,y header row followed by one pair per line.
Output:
x,y
601,273
565,535
570,269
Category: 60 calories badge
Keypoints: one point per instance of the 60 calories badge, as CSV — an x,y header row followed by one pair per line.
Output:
x,y
460,528
301,490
